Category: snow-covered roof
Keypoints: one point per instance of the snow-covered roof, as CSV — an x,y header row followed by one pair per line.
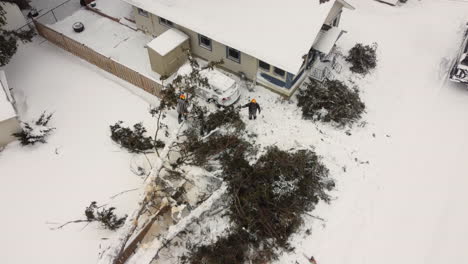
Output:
x,y
327,39
6,108
13,16
168,41
274,31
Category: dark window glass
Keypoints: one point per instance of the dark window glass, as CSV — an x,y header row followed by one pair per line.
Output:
x,y
142,12
165,22
279,72
205,42
233,54
263,65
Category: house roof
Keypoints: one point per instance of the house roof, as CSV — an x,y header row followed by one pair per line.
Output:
x,y
275,31
168,41
6,108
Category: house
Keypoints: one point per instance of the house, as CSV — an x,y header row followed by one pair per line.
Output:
x,y
9,123
270,42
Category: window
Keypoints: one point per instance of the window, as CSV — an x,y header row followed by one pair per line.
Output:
x,y
204,42
165,22
264,66
142,12
233,54
279,72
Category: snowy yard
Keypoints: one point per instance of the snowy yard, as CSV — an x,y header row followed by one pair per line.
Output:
x,y
400,172
54,182
408,204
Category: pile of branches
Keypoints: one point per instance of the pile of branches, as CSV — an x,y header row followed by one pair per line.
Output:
x,y
198,151
34,132
363,58
330,101
266,202
134,140
230,249
229,117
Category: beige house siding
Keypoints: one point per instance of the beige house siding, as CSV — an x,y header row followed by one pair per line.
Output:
x,y
143,23
169,63
247,65
8,127
159,28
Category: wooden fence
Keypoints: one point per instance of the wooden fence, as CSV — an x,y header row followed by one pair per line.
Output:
x,y
103,62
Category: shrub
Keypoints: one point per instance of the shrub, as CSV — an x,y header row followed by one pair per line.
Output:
x,y
105,216
363,58
134,140
331,101
35,132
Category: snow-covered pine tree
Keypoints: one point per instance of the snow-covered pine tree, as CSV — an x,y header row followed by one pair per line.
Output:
x,y
34,132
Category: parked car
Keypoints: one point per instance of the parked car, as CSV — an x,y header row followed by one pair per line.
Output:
x,y
223,90
459,71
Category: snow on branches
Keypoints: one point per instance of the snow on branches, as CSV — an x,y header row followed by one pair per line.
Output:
x,y
36,131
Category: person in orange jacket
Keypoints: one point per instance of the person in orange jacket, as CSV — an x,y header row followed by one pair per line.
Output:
x,y
253,107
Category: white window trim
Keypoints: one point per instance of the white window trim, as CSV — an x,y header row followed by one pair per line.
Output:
x,y
232,58
282,76
200,43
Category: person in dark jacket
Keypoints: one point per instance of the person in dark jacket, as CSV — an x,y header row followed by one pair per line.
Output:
x,y
253,107
182,108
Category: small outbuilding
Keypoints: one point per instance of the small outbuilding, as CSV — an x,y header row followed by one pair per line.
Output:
x,y
167,51
9,122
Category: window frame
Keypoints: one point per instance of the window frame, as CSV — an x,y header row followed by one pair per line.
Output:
x,y
166,22
232,58
201,44
143,12
279,75
264,69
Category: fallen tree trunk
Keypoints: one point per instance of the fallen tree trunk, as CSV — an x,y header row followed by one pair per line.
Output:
x,y
115,250
150,253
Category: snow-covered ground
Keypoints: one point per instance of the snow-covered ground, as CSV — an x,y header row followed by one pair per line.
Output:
x,y
54,182
408,205
401,175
